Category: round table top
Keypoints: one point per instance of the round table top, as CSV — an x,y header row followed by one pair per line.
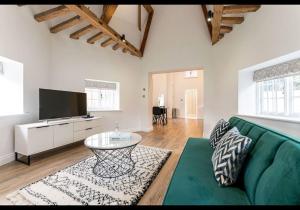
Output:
x,y
112,140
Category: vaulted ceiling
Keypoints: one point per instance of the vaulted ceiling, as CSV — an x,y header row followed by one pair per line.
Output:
x,y
93,23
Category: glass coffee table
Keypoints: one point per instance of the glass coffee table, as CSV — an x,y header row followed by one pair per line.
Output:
x,y
113,151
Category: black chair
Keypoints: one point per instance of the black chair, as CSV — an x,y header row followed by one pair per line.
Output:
x,y
157,115
164,115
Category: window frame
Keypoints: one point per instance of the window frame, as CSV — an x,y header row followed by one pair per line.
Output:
x,y
100,109
288,98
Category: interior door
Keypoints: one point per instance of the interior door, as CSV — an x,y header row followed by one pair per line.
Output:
x,y
191,103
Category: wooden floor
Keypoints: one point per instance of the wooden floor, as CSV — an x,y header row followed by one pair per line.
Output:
x,y
173,136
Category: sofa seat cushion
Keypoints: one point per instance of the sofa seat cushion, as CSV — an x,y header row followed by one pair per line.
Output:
x,y
193,181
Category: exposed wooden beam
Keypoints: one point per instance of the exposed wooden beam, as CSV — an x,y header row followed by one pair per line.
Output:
x,y
225,29
95,38
146,32
108,12
82,31
221,36
124,50
232,20
116,46
66,24
52,13
216,23
85,13
205,13
148,8
107,42
139,17
236,9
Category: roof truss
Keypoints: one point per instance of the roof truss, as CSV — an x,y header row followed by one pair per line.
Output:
x,y
82,13
221,23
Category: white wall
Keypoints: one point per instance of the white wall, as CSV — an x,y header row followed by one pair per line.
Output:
x,y
22,39
178,40
73,61
262,36
55,61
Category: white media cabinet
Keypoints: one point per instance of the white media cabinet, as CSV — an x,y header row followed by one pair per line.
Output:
x,y
37,137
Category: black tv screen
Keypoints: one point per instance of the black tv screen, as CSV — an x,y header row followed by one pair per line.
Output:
x,y
61,104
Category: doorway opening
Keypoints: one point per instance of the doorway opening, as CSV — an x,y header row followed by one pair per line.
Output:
x,y
178,94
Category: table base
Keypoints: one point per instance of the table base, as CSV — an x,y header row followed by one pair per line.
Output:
x,y
114,162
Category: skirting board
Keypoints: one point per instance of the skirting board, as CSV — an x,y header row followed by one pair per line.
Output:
x,y
7,158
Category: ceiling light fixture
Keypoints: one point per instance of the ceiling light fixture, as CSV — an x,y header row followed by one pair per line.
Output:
x,y
210,15
123,38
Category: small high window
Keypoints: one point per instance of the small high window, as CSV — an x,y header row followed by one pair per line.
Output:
x,y
102,95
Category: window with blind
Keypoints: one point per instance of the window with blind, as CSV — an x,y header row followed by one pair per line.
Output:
x,y
11,87
278,89
102,95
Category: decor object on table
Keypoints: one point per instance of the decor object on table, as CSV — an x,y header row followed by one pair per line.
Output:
x,y
219,130
78,185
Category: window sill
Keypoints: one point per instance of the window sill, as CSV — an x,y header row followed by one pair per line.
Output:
x,y
276,118
13,115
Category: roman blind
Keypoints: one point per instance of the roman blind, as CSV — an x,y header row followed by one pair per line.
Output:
x,y
279,70
97,84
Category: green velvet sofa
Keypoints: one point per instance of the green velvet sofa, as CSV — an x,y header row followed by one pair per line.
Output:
x,y
270,174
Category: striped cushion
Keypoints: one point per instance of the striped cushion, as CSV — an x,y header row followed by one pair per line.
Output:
x,y
219,130
229,156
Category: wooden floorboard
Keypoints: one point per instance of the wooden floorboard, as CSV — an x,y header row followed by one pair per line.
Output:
x,y
173,136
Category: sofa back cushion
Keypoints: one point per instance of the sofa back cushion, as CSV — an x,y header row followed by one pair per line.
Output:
x,y
263,150
280,183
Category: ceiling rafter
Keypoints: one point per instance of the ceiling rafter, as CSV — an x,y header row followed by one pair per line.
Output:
x,y
232,20
65,24
83,13
205,13
52,13
82,31
237,9
140,17
221,24
150,11
116,46
95,38
108,12
216,23
107,42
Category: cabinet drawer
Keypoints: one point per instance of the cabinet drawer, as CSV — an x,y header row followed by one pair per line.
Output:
x,y
63,134
40,139
90,123
79,135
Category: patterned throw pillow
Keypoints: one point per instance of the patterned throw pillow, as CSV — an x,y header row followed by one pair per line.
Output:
x,y
219,130
229,156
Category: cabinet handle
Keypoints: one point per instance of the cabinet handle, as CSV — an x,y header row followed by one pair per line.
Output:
x,y
64,124
88,128
43,126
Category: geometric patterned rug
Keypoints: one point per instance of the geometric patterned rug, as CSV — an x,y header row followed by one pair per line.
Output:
x,y
78,185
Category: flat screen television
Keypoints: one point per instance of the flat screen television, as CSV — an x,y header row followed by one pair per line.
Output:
x,y
61,104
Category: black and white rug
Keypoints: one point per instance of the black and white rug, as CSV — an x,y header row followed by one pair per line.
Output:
x,y
77,184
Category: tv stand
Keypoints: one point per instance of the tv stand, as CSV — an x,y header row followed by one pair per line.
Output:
x,y
37,137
